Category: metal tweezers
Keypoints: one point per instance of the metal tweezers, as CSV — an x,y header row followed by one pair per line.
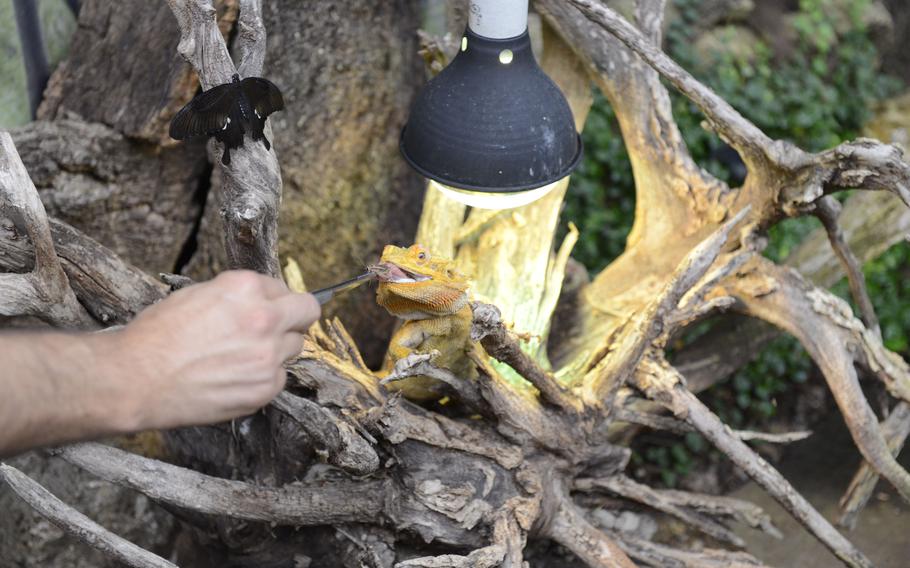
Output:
x,y
325,294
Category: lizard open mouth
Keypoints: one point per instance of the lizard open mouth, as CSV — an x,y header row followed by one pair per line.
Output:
x,y
394,274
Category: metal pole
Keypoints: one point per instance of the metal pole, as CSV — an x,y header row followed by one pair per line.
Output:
x,y
32,44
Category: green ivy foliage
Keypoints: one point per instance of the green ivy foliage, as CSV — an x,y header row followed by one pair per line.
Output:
x,y
817,96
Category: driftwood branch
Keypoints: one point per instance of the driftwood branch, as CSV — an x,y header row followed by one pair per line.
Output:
x,y
663,384
486,557
607,374
895,429
295,504
504,552
502,346
342,445
632,414
689,507
252,182
111,290
724,119
77,525
456,481
654,554
45,291
872,222
828,210
520,415
725,507
251,39
640,493
570,528
837,341
863,163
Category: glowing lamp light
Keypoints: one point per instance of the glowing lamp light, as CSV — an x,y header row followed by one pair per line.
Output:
x,y
492,130
491,199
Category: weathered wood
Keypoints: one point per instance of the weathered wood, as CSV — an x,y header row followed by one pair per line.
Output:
x,y
486,482
828,211
348,72
251,184
871,221
671,216
44,292
487,328
299,505
28,539
654,554
99,181
77,525
629,489
663,383
604,376
598,550
344,447
836,341
111,290
895,429
122,70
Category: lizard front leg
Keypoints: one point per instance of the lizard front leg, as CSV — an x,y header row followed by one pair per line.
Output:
x,y
404,342
410,340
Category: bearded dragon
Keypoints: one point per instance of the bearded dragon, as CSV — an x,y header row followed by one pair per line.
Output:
x,y
432,299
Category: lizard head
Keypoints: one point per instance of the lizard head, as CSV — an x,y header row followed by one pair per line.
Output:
x,y
414,284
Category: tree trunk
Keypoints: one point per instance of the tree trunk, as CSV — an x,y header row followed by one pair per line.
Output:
x,y
348,72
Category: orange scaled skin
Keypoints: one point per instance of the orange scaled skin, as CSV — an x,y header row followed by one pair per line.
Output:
x,y
433,301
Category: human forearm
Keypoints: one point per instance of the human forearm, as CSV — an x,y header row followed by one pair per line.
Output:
x,y
207,353
57,387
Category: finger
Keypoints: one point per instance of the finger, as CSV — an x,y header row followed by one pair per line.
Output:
x,y
248,282
298,311
281,378
290,346
274,288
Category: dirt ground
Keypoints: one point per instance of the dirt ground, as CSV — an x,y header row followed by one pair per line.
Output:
x,y
820,468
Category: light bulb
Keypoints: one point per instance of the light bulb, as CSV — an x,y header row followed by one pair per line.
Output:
x,y
494,200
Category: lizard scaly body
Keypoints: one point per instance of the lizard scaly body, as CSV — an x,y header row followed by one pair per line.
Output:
x,y
432,297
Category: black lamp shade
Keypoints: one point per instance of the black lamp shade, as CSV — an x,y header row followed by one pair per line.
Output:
x,y
492,121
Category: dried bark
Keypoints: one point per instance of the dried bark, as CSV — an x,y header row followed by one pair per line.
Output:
x,y
106,164
99,181
45,291
348,72
131,39
78,525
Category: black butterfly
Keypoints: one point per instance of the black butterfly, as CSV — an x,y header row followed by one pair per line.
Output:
x,y
224,110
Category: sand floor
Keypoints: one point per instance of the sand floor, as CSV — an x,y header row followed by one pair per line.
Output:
x,y
820,468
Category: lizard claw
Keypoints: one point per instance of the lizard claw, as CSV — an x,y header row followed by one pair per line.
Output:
x,y
405,367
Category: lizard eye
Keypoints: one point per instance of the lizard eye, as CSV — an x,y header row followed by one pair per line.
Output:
x,y
422,255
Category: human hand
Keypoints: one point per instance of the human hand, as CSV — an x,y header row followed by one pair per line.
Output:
x,y
210,352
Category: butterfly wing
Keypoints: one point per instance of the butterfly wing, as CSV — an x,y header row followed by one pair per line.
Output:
x,y
231,134
264,98
205,115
